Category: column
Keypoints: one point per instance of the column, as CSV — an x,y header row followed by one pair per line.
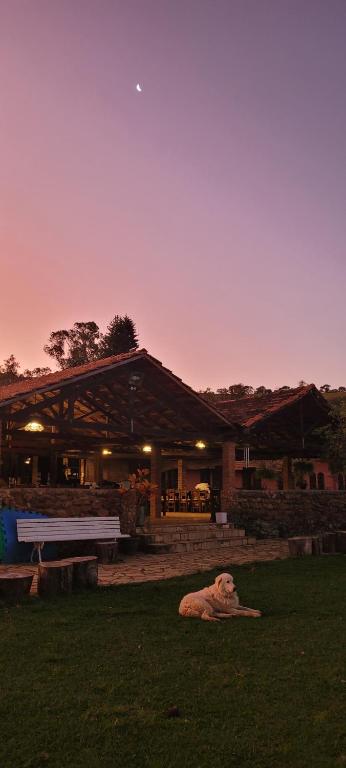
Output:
x,y
228,475
53,468
34,472
98,468
181,475
155,477
287,477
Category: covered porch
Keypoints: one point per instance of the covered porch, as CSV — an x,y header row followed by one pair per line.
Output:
x,y
91,426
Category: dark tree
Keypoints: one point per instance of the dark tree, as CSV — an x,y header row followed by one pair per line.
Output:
x,y
236,391
76,346
233,392
36,372
260,391
121,336
334,437
9,371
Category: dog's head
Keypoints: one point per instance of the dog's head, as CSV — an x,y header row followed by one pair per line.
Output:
x,y
225,584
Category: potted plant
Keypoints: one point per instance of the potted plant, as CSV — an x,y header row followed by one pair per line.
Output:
x,y
138,483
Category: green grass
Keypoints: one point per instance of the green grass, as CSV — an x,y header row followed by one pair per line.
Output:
x,y
86,681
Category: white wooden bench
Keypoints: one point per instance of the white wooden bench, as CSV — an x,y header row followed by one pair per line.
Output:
x,y
43,529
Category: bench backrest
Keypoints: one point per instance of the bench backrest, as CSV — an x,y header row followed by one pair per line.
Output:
x,y
68,528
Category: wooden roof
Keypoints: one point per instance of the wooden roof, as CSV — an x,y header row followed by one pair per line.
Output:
x,y
279,420
96,403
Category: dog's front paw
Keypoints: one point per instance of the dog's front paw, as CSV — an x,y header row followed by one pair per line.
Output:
x,y
257,614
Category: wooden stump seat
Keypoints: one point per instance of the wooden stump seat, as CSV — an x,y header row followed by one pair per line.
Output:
x,y
300,545
55,578
14,586
85,571
329,543
341,542
107,551
58,577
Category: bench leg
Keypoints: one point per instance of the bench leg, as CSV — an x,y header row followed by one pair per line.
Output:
x,y
38,546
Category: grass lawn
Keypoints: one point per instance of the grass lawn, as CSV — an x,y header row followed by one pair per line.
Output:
x,y
86,681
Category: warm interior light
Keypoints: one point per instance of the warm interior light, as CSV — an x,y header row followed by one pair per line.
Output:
x,y
146,449
106,452
27,461
34,426
200,444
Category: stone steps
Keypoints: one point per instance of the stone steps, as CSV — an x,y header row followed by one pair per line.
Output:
x,y
163,539
166,538
179,547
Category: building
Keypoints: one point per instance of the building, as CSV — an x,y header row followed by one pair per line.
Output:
x,y
96,423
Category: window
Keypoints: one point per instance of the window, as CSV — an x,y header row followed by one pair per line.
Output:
x,y
320,481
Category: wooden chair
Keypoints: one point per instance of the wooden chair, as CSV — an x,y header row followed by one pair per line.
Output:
x,y
196,501
204,498
171,501
183,502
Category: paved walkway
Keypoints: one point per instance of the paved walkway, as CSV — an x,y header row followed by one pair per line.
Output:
x,y
146,567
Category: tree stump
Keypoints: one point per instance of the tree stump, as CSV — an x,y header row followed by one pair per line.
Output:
x,y
14,586
300,545
329,543
107,551
85,571
341,542
316,545
55,578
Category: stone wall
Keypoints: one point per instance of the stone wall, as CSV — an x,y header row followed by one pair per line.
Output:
x,y
288,513
73,502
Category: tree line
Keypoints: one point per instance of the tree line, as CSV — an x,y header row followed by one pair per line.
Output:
x,y
236,391
83,343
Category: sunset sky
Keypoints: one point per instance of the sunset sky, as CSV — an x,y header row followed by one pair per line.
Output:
x,y
210,207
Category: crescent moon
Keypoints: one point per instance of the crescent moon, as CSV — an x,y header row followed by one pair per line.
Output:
x,y
139,88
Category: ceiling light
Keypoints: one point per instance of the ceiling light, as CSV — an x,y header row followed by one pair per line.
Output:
x,y
200,444
106,452
34,426
146,449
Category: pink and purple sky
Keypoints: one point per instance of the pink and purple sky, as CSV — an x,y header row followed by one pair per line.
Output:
x,y
211,207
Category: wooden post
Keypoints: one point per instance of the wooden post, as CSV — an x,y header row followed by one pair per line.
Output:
x,y
228,474
155,477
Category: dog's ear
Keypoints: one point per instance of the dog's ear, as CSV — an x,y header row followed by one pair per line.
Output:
x,y
218,581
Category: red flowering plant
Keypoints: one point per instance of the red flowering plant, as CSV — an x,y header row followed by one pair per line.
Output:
x,y
138,481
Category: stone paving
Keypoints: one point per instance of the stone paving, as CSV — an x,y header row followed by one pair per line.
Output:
x,y
145,567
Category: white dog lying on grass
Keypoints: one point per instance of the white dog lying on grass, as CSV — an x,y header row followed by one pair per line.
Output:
x,y
220,601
